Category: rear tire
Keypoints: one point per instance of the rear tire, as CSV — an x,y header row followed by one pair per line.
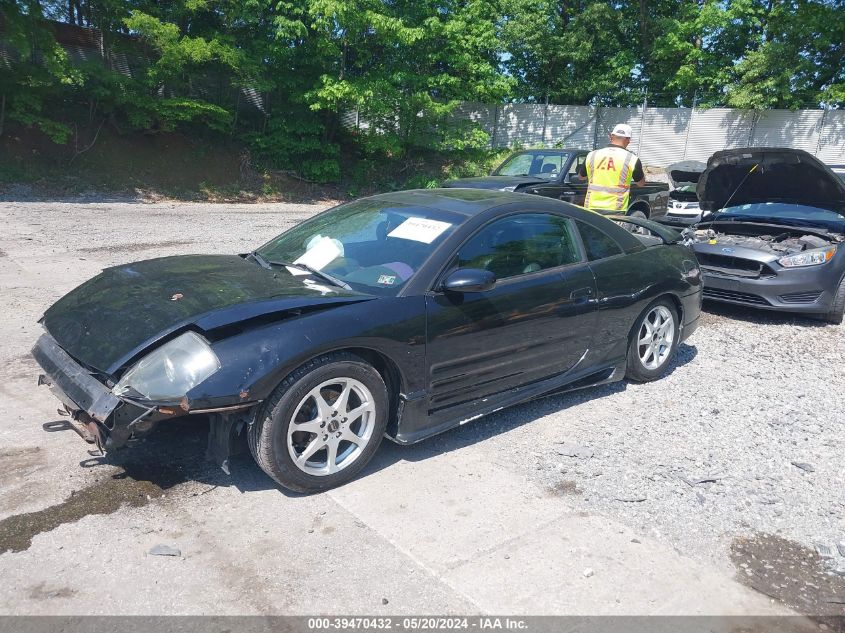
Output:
x,y
322,424
837,308
654,341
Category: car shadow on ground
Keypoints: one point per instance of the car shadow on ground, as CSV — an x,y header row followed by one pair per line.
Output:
x,y
714,312
506,420
175,453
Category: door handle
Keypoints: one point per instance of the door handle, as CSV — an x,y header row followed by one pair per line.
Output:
x,y
581,293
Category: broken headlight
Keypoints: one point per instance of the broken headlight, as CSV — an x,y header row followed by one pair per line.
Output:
x,y
172,370
812,257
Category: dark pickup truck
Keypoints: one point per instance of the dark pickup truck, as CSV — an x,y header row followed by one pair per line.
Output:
x,y
557,173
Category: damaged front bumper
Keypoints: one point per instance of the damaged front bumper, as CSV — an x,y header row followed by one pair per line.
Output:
x,y
110,420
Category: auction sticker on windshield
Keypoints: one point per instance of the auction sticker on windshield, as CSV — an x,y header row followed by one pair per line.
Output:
x,y
319,254
419,230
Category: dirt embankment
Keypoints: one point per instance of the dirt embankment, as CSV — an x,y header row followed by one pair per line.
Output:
x,y
149,167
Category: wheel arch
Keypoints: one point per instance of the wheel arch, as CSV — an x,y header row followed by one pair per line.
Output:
x,y
676,301
639,205
390,374
386,367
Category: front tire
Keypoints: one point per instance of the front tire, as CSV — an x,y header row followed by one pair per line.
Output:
x,y
322,424
837,308
653,342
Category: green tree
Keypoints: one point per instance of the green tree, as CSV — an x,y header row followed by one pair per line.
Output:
x,y
797,58
571,51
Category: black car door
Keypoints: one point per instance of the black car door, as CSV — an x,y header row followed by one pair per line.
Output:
x,y
569,186
537,321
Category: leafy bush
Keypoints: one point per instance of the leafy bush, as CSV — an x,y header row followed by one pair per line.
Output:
x,y
295,143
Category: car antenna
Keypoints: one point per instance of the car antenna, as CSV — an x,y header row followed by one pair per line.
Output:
x,y
741,182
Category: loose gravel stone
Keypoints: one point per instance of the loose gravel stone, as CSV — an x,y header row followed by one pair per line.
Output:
x,y
804,466
711,445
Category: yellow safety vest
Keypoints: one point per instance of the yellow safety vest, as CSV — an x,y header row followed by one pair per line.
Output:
x,y
610,171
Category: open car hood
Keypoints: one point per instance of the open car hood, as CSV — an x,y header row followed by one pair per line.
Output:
x,y
685,172
769,174
110,319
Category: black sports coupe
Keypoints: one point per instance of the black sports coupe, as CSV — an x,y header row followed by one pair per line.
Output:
x,y
404,314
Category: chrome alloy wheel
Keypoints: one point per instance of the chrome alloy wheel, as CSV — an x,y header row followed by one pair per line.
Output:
x,y
331,426
656,336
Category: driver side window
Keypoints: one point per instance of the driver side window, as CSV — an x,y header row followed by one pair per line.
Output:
x,y
521,244
578,168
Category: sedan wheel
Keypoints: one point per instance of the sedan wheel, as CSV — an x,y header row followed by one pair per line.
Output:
x,y
322,425
654,342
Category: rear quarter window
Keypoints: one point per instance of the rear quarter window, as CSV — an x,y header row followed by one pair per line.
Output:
x,y
597,243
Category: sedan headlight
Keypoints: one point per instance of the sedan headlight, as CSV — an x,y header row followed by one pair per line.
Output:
x,y
172,370
812,257
511,188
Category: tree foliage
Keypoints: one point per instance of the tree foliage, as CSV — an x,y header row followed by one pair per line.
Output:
x,y
280,74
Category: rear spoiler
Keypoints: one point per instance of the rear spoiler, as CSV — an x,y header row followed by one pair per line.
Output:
x,y
665,233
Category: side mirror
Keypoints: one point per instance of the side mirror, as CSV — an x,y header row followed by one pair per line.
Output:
x,y
469,280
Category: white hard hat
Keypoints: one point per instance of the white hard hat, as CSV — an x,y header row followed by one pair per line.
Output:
x,y
622,130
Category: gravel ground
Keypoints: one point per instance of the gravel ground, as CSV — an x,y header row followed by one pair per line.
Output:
x,y
708,453
703,460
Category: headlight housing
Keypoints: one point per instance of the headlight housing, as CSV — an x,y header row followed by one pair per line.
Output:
x,y
812,257
168,373
511,188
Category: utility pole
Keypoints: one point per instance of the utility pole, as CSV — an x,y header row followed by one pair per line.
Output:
x,y
821,131
642,122
689,123
596,128
545,119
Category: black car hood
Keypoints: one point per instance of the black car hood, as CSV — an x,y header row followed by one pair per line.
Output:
x,y
110,319
685,172
493,182
780,175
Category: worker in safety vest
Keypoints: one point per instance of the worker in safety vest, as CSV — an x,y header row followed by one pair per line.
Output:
x,y
610,171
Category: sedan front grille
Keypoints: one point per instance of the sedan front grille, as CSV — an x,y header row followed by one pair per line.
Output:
x,y
731,295
728,266
808,296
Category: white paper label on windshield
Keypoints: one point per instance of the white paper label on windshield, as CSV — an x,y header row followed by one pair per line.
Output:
x,y
321,253
419,230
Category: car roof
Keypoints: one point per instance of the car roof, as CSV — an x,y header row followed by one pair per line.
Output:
x,y
471,202
547,151
466,202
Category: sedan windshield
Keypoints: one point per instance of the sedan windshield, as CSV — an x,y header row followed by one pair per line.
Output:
x,y
539,164
784,213
372,246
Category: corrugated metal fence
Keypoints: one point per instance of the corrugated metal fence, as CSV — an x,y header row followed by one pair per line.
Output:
x,y
661,135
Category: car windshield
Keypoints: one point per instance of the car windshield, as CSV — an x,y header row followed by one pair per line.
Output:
x,y
785,213
371,245
540,164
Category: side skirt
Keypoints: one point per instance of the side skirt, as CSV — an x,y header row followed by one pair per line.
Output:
x,y
464,413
